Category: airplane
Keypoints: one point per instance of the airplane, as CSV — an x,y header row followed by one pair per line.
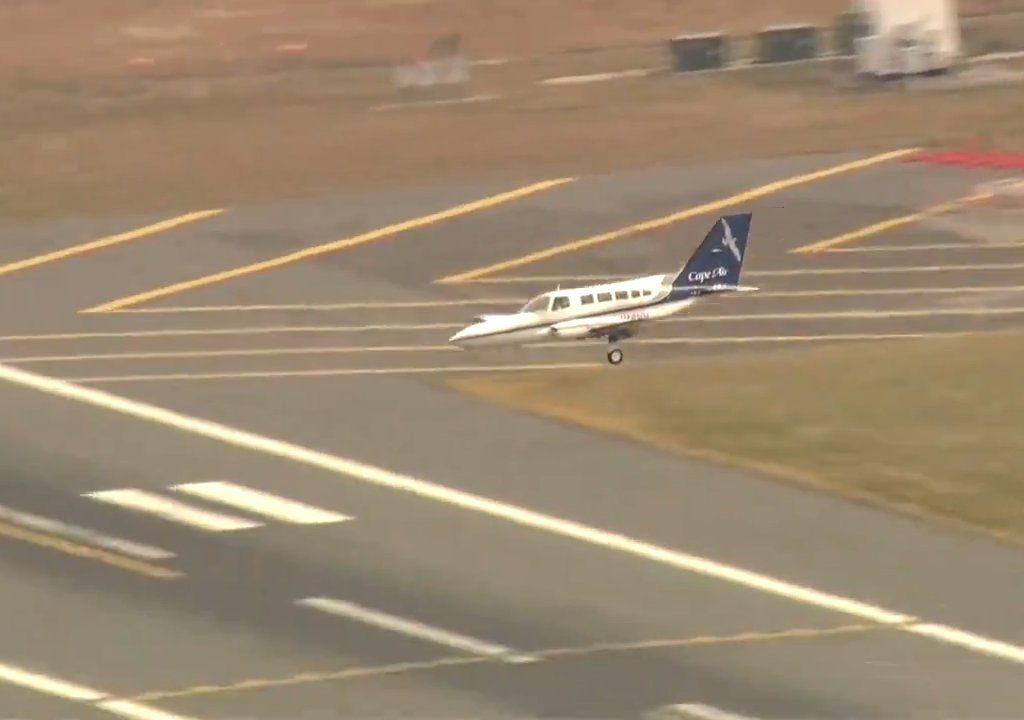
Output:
x,y
617,310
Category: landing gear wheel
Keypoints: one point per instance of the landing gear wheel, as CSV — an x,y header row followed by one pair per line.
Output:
x,y
615,356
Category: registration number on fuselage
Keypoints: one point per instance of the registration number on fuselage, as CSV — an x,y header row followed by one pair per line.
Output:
x,y
634,315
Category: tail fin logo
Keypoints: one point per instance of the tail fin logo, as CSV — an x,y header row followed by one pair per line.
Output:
x,y
711,260
729,241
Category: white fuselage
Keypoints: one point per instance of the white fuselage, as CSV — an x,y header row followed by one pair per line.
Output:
x,y
573,313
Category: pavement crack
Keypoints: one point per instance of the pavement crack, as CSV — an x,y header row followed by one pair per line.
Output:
x,y
541,655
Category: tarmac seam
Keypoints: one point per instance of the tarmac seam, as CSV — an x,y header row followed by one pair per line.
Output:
x,y
548,654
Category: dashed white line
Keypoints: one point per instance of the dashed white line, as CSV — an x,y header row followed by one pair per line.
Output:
x,y
172,510
261,503
414,628
617,542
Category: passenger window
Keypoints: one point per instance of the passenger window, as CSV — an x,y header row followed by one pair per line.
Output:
x,y
604,297
587,299
561,302
622,295
647,292
636,293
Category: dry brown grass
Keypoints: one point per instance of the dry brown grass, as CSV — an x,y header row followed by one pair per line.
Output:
x,y
74,143
80,152
931,426
71,38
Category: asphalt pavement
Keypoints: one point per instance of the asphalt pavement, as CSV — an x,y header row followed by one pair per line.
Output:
x,y
374,543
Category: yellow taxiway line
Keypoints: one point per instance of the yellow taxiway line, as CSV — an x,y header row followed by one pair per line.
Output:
x,y
74,549
880,227
107,241
746,196
394,229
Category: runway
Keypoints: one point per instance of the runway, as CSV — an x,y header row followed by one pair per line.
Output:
x,y
258,497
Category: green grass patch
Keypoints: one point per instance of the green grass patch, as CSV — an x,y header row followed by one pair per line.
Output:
x,y
931,426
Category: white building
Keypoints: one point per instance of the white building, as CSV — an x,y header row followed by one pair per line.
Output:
x,y
908,37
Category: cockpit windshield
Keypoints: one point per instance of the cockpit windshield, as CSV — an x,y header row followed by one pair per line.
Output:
x,y
537,304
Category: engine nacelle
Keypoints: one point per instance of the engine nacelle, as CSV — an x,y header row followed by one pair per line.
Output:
x,y
572,332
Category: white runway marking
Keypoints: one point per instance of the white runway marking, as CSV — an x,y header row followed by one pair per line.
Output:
x,y
696,711
924,246
255,330
172,510
434,103
261,503
552,280
241,352
318,307
58,527
342,329
518,301
850,314
597,77
561,345
508,512
841,292
753,339
328,372
414,629
136,711
886,270
49,685
577,345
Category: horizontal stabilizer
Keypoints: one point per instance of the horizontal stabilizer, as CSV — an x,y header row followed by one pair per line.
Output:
x,y
709,289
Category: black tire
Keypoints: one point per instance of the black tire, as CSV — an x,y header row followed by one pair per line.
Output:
x,y
615,356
